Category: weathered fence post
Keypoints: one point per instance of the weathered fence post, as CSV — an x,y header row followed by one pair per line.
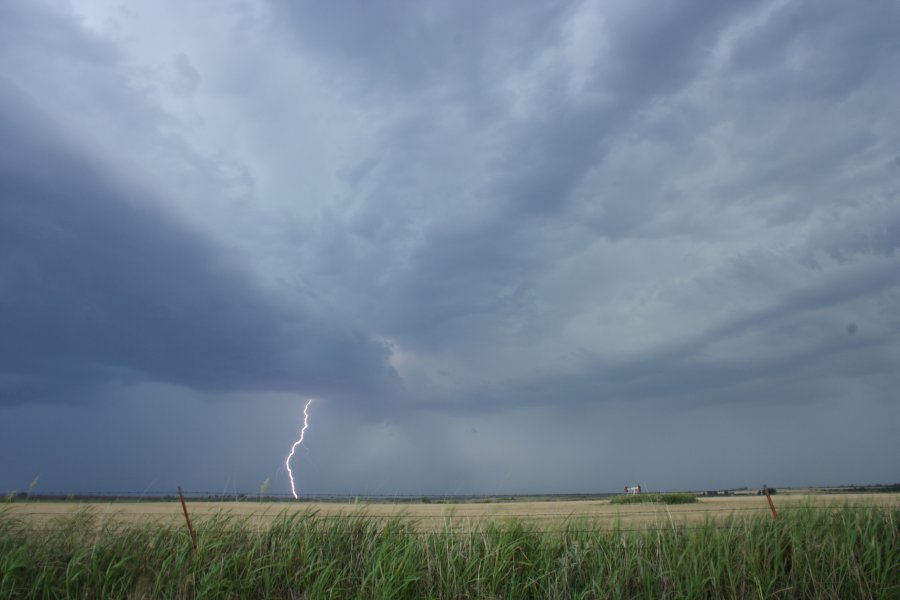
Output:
x,y
771,504
187,519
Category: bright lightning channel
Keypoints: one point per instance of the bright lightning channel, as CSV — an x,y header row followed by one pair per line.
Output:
x,y
287,461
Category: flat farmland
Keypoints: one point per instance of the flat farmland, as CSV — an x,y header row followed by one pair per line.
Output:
x,y
821,546
545,514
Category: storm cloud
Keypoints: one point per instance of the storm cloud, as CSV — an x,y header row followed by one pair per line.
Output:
x,y
99,286
489,238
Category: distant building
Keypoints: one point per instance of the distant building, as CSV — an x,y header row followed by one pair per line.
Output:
x,y
635,489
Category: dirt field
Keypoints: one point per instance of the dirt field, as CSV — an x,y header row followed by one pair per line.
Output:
x,y
436,516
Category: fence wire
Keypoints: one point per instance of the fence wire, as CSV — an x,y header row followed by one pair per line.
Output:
x,y
668,519
450,515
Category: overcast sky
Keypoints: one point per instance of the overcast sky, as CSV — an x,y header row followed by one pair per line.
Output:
x,y
513,246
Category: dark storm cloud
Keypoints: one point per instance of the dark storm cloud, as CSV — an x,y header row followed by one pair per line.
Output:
x,y
793,343
96,285
544,158
656,55
460,48
534,162
559,223
24,25
824,50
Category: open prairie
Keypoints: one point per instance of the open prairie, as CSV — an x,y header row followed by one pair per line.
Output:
x,y
431,516
825,546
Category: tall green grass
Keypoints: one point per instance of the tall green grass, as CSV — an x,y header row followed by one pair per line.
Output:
x,y
807,553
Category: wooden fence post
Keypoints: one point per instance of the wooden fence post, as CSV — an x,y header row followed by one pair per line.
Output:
x,y
771,504
187,519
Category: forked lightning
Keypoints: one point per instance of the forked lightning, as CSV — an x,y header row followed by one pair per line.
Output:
x,y
287,462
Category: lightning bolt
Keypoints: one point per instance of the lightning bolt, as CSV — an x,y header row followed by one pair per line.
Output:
x,y
287,461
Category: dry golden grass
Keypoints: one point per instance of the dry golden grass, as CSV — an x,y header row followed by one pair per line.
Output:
x,y
436,516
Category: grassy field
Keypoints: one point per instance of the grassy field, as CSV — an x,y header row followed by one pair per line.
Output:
x,y
437,516
825,547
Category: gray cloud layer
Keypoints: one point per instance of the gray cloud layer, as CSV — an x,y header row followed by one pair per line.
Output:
x,y
99,286
438,217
